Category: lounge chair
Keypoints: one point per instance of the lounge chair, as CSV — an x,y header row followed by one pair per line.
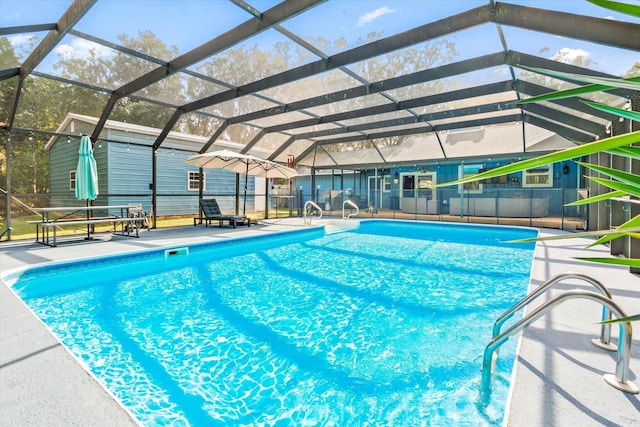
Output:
x,y
210,211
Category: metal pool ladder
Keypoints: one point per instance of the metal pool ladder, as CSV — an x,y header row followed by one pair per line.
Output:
x,y
605,330
619,380
350,203
315,205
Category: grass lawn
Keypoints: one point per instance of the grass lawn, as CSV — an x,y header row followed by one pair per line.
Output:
x,y
23,230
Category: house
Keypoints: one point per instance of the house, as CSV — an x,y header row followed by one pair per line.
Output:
x,y
123,157
408,185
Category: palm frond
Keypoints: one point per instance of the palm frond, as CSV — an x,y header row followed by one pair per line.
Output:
x,y
616,185
625,262
631,83
598,198
626,177
627,114
631,224
626,8
562,94
631,152
596,233
559,156
626,319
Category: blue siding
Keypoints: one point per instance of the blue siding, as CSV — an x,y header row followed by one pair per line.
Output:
x,y
172,179
101,154
128,174
125,175
63,158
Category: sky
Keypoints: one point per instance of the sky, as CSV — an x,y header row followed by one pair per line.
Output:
x,y
189,23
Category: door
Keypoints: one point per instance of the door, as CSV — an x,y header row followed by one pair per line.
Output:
x,y
417,195
374,191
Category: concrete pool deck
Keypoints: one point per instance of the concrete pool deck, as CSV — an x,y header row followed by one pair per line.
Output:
x,y
558,377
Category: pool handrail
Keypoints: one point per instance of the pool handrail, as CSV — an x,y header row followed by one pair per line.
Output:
x,y
619,380
304,209
351,203
605,329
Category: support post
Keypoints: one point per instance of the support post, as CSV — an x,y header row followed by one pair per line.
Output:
x,y
154,186
9,190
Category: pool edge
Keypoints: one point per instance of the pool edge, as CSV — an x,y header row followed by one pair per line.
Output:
x,y
564,405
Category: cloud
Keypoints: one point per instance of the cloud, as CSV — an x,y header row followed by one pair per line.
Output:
x,y
570,56
20,39
80,47
371,16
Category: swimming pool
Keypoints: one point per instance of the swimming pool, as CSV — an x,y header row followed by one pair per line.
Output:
x,y
383,325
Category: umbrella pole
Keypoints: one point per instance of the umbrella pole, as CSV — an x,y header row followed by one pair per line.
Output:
x,y
266,199
244,203
236,194
88,225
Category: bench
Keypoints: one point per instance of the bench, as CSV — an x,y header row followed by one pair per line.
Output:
x,y
125,223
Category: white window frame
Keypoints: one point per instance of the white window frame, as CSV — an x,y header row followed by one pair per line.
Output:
x,y
193,177
540,171
72,180
386,184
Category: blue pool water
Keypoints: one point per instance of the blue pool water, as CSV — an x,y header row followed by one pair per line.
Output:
x,y
382,325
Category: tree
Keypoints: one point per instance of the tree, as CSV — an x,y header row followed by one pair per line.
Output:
x,y
112,69
8,59
8,56
44,102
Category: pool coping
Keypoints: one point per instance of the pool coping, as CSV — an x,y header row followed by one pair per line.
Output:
x,y
558,377
556,383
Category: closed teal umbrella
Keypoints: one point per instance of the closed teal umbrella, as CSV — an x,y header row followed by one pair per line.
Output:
x,y
86,176
86,172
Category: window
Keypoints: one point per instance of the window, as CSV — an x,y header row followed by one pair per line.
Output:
x,y
386,183
408,182
538,177
425,182
425,186
72,180
193,181
473,186
502,179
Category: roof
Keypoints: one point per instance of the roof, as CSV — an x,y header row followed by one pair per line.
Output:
x,y
337,80
141,135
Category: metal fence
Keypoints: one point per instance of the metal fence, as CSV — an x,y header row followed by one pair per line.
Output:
x,y
526,207
547,208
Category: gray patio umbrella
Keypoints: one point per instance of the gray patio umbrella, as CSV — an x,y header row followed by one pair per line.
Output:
x,y
241,163
86,176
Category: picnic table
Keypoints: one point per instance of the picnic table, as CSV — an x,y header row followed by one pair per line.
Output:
x,y
55,217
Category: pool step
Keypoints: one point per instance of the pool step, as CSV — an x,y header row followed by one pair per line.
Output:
x,y
332,227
